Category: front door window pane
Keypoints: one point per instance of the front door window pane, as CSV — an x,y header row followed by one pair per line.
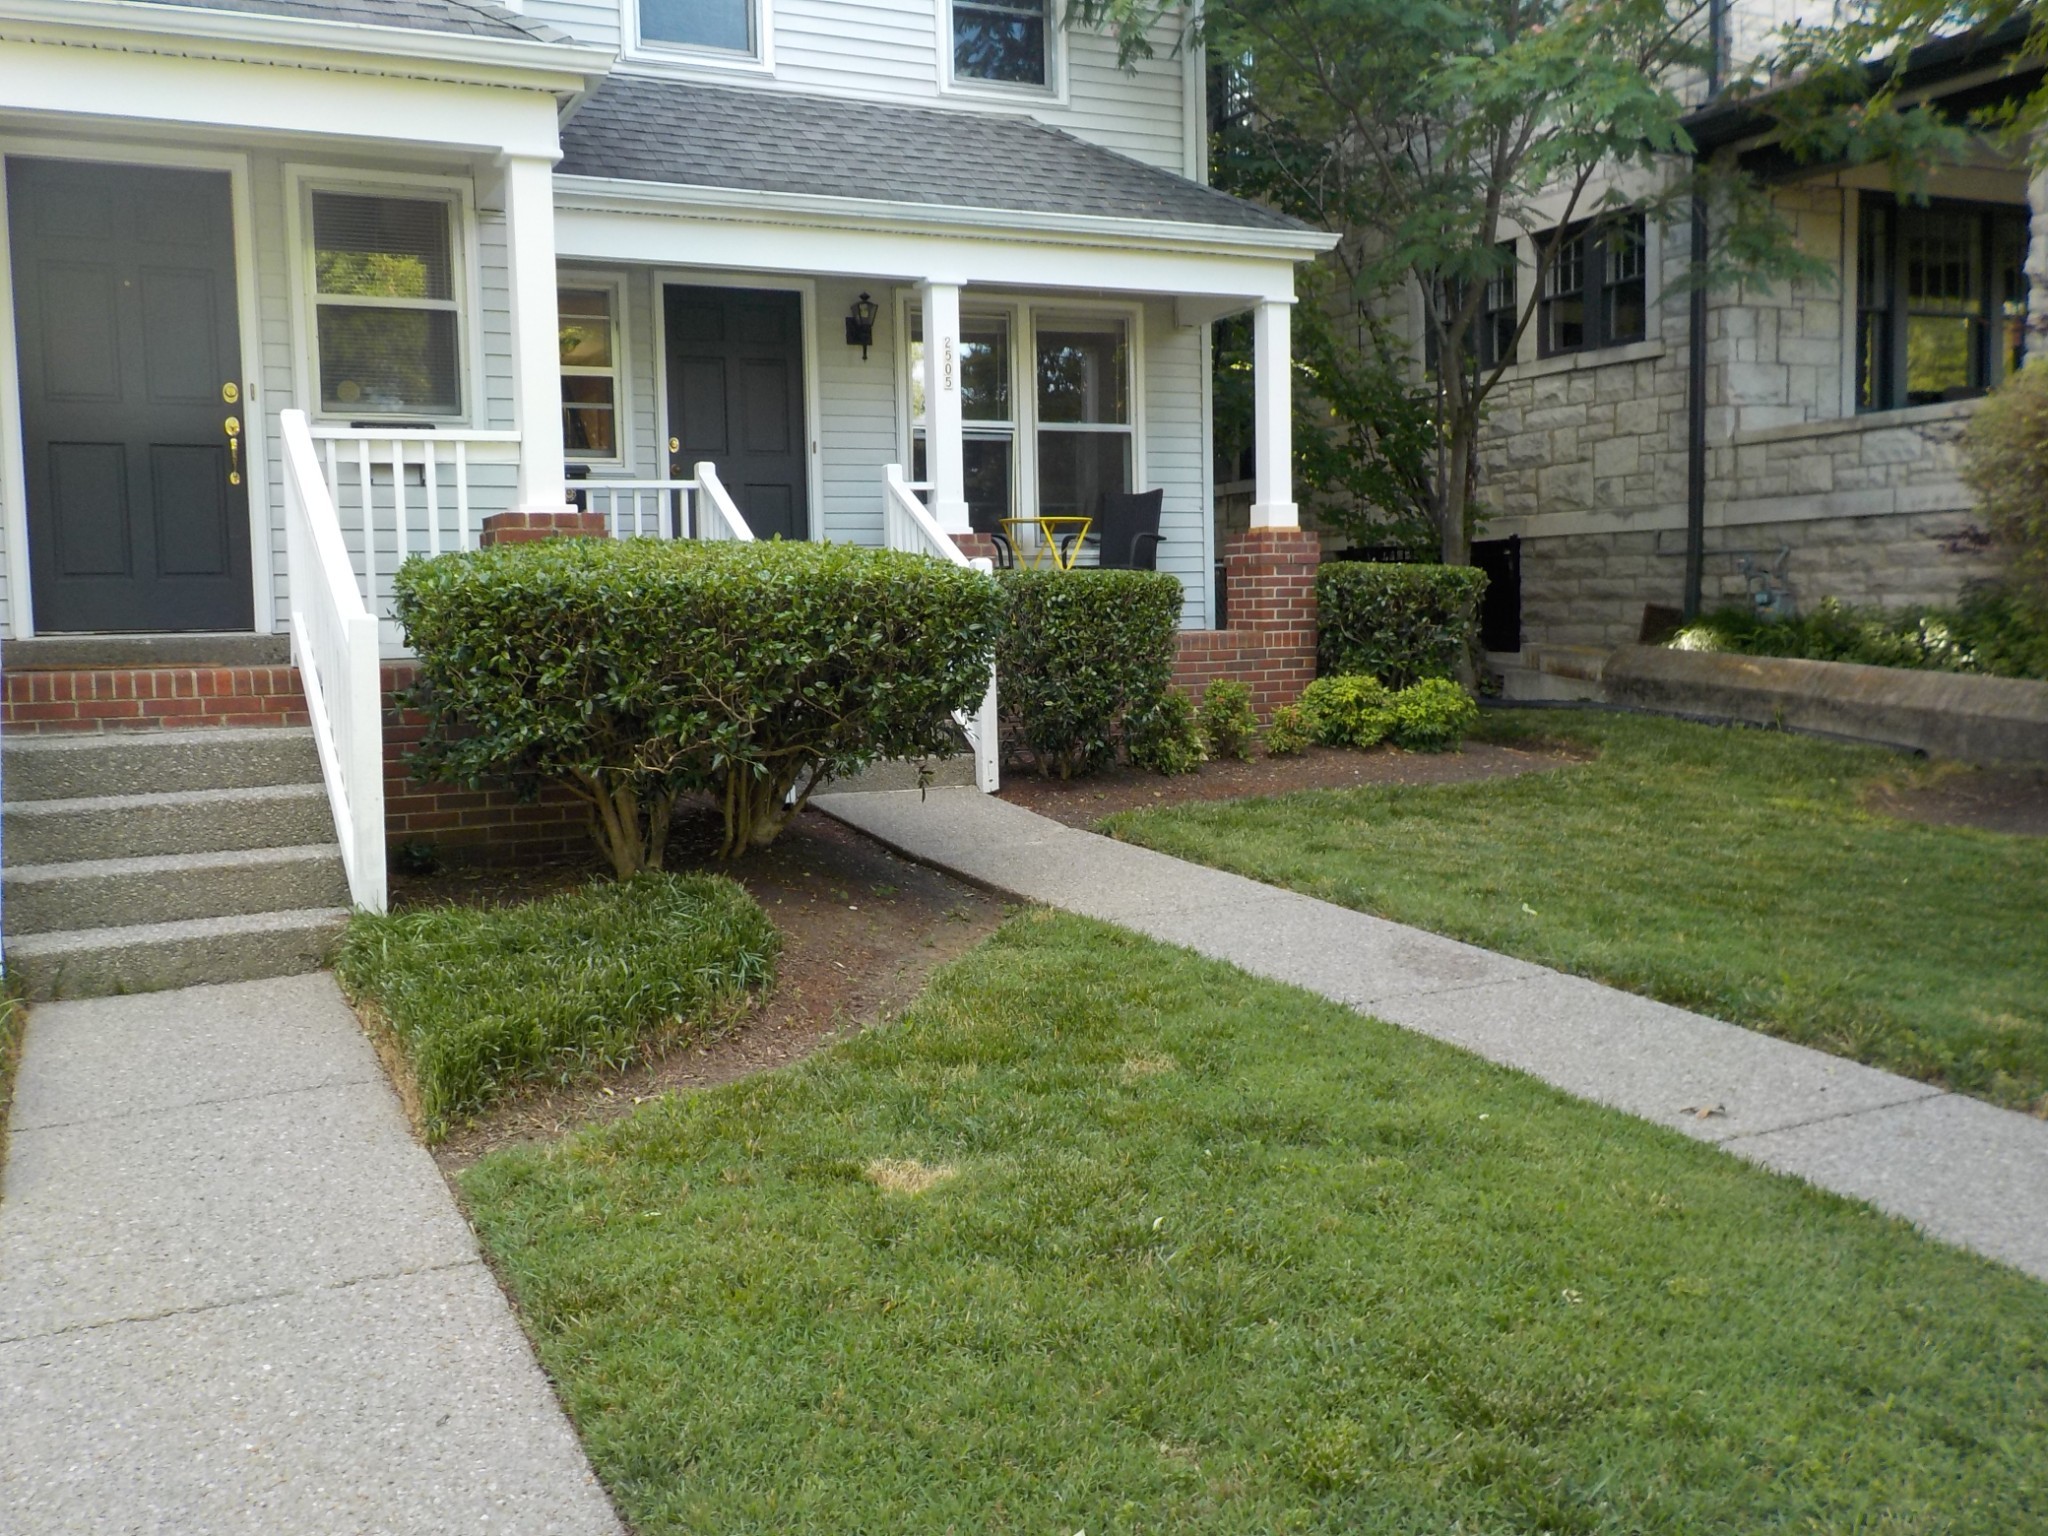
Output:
x,y
722,24
1000,40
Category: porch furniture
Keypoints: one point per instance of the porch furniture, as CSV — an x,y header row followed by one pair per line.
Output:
x,y
1130,536
1059,537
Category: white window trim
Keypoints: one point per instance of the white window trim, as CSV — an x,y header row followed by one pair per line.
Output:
x,y
257,410
621,370
682,56
1053,93
301,182
1024,316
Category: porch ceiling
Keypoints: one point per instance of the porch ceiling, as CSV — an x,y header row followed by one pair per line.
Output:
x,y
679,133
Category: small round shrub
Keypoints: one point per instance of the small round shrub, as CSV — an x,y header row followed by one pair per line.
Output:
x,y
1348,711
2005,461
1288,735
1432,716
1229,727
1167,738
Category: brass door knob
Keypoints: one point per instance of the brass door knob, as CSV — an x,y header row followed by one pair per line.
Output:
x,y
233,427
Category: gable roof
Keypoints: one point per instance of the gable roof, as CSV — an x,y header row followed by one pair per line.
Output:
x,y
469,18
633,128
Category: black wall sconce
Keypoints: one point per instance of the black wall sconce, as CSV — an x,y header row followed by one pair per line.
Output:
x,y
860,325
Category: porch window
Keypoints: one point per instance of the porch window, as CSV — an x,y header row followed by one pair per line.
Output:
x,y
724,25
1596,292
386,321
1084,412
590,374
988,418
1000,41
1941,301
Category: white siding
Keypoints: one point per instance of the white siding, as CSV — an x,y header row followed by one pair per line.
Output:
x,y
891,50
1176,452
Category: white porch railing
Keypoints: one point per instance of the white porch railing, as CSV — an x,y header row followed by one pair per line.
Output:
x,y
908,526
335,645
668,509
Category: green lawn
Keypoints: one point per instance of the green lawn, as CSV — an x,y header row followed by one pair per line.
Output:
x,y
1728,871
1107,1237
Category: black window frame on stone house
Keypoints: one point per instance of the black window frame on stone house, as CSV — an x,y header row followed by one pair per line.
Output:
x,y
1596,290
1499,313
1941,300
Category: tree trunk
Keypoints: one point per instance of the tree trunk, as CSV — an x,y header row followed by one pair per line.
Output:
x,y
1456,543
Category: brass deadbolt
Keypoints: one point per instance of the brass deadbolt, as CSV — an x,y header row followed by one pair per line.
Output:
x,y
229,392
675,445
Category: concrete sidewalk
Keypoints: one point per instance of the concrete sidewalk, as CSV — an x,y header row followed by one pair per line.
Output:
x,y
1959,1169
236,1296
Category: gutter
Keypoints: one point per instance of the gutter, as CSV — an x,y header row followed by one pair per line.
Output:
x,y
1696,414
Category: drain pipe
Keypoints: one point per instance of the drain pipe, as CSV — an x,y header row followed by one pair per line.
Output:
x,y
1696,414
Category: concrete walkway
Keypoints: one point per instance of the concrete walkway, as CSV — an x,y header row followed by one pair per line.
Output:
x,y
236,1296
1961,1170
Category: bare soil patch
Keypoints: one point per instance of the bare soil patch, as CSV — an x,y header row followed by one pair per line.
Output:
x,y
2011,800
862,931
1084,802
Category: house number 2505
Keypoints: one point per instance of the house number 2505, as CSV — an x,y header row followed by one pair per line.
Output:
x,y
946,365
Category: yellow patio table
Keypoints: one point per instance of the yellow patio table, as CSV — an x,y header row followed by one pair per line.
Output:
x,y
1051,532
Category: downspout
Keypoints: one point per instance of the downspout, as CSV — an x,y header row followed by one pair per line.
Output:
x,y
1696,413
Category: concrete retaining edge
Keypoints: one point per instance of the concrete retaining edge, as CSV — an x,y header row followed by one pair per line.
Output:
x,y
1945,714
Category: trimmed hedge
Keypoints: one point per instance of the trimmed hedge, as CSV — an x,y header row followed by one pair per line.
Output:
x,y
1398,623
1083,655
486,1000
635,670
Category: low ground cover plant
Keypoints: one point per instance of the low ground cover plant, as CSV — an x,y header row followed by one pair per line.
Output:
x,y
1104,1236
1992,630
1735,872
1432,715
1289,734
1085,658
1168,738
1398,623
485,1000
1230,727
633,671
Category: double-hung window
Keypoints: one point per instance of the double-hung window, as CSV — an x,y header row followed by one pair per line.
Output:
x,y
387,324
719,26
1084,412
588,332
1941,301
1001,42
1596,290
1493,334
988,417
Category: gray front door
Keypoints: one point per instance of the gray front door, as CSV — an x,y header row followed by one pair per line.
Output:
x,y
124,296
736,398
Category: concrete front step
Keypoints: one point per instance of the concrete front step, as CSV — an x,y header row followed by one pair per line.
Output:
x,y
158,762
182,821
110,893
152,957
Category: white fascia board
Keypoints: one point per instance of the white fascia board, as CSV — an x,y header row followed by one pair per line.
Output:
x,y
671,238
118,87
561,67
815,211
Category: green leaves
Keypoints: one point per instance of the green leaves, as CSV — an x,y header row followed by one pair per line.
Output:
x,y
1398,623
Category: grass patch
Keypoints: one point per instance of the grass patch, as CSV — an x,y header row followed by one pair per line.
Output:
x,y
1299,1272
1729,871
483,1000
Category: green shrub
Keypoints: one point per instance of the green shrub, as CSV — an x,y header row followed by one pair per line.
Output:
x,y
484,1000
1230,728
632,671
1288,735
1167,738
1347,711
1081,652
2005,461
1992,630
1398,623
1432,715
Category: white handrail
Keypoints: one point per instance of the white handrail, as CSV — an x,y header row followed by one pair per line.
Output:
x,y
717,517
640,509
909,527
334,644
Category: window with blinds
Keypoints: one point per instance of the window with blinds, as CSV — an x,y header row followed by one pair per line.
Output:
x,y
387,323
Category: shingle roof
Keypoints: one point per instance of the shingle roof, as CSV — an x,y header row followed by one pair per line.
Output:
x,y
473,18
639,129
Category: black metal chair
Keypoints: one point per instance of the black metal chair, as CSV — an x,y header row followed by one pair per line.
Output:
x,y
990,526
1126,530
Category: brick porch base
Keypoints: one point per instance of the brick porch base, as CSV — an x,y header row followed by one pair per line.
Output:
x,y
1270,593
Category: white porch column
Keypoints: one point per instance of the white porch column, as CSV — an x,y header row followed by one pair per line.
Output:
x,y
2037,269
1273,415
536,330
945,459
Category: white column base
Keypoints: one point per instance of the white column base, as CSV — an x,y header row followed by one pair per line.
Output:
x,y
1277,514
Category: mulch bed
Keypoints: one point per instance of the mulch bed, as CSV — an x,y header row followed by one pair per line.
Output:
x,y
1084,802
862,932
1952,795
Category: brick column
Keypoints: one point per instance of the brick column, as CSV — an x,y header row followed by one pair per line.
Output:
x,y
526,527
1270,646
976,546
